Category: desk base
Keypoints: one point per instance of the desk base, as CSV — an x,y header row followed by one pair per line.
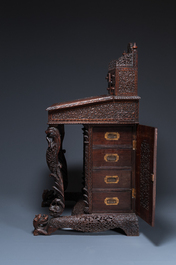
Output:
x,y
79,221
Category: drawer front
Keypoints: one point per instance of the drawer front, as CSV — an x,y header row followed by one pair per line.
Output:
x,y
112,135
111,157
107,179
110,202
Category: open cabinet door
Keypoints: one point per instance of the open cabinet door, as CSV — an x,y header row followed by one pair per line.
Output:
x,y
146,149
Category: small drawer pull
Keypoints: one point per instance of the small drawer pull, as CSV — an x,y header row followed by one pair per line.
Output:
x,y
112,136
111,157
111,179
111,201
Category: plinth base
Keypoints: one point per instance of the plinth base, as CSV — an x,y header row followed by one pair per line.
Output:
x,y
128,222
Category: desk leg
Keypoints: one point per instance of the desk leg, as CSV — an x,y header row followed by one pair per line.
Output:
x,y
55,160
57,164
52,157
55,155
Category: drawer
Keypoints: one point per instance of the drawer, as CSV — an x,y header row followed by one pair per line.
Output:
x,y
110,179
111,202
112,157
112,135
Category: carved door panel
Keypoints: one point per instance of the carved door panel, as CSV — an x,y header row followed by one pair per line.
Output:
x,y
146,172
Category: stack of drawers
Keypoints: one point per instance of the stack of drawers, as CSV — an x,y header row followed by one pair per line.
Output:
x,y
112,169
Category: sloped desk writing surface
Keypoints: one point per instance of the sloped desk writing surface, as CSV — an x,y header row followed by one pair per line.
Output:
x,y
119,158
104,109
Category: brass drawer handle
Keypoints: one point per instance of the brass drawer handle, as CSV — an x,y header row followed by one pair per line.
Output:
x,y
112,136
111,201
111,179
111,157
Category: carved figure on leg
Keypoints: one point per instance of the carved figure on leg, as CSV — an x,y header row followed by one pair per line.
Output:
x,y
58,204
54,144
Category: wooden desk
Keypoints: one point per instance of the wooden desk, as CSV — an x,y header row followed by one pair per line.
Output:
x,y
119,158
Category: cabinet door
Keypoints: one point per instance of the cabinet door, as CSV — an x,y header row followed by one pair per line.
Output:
x,y
146,172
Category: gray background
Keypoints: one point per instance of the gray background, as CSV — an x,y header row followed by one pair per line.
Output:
x,y
55,51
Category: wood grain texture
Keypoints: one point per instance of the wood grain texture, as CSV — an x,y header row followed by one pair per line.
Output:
x,y
124,134
99,206
124,159
99,179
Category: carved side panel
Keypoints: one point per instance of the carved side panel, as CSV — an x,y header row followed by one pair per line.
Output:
x,y
146,172
126,73
127,82
114,112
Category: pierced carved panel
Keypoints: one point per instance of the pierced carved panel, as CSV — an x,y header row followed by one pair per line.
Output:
x,y
145,175
125,60
126,81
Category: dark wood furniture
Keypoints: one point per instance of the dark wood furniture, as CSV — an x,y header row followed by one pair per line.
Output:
x,y
119,158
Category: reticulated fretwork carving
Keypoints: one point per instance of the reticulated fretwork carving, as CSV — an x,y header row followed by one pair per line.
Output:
x,y
124,72
126,81
54,144
87,223
145,175
117,112
125,60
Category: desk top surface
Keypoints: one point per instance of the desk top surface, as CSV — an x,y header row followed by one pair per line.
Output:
x,y
90,100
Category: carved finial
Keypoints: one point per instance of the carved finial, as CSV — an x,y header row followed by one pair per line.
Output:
x,y
134,46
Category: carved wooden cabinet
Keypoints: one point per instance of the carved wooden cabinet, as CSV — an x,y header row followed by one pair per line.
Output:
x,y
119,158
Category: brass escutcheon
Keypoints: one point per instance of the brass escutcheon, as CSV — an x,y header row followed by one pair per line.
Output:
x,y
134,193
111,179
111,157
111,201
112,136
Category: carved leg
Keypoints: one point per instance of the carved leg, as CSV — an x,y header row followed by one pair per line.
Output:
x,y
56,161
47,197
